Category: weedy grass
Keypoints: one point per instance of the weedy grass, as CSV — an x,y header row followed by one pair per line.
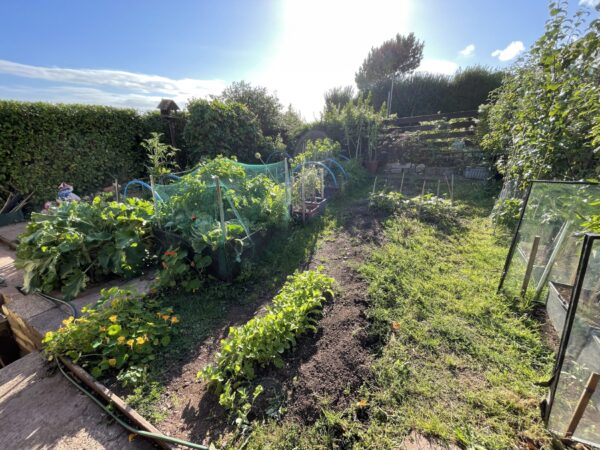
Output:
x,y
455,361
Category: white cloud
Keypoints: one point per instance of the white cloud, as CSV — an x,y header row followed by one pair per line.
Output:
x,y
442,66
322,45
468,50
511,51
590,3
124,88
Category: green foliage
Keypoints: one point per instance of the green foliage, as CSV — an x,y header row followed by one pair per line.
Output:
x,y
218,128
263,340
428,208
338,97
78,242
42,145
318,150
430,93
544,122
264,105
506,212
120,333
357,125
309,180
180,271
160,156
401,54
293,125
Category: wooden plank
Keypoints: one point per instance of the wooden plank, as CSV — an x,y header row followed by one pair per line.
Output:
x,y
451,126
587,393
413,120
110,396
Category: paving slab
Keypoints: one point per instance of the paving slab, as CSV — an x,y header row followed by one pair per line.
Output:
x,y
9,234
40,409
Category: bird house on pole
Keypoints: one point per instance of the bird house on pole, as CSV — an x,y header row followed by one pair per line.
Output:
x,y
167,107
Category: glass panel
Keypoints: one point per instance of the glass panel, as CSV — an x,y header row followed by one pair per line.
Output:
x,y
554,212
582,358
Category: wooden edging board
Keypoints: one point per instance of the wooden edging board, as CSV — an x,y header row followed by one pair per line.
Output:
x,y
110,396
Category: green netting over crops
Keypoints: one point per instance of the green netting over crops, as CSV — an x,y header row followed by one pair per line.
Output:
x,y
252,198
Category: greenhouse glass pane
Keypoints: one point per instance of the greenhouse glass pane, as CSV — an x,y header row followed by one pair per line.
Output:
x,y
582,356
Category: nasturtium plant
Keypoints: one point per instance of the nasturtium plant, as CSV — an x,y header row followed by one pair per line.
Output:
x,y
123,330
263,340
179,270
79,242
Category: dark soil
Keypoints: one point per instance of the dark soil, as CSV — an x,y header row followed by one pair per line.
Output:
x,y
325,368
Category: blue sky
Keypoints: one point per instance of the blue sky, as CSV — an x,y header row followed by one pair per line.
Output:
x,y
132,52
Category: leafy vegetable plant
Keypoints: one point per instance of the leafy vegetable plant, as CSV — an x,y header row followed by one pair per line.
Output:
x,y
179,270
79,242
120,333
263,340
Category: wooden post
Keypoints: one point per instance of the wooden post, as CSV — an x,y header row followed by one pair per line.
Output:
x,y
530,262
421,200
221,210
302,198
116,186
438,188
587,393
402,181
452,190
374,184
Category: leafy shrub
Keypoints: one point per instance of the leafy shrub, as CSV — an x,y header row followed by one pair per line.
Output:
x,y
79,242
120,333
263,340
388,202
43,144
318,150
217,128
506,212
544,122
160,156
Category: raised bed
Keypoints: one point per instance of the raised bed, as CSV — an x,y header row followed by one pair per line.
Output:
x,y
312,208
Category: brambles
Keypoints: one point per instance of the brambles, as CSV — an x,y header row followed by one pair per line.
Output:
x,y
121,333
263,340
79,242
506,212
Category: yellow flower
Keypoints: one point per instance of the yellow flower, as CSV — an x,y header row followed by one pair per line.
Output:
x,y
121,340
130,342
361,403
165,317
112,362
140,340
68,321
48,337
113,318
174,319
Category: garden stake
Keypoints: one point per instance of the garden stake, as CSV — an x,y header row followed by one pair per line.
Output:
x,y
452,192
288,184
116,185
374,183
402,181
532,255
221,211
154,199
587,393
438,188
303,201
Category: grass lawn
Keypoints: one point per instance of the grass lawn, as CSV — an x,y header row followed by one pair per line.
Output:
x,y
456,362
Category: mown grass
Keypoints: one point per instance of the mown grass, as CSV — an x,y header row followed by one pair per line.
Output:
x,y
456,361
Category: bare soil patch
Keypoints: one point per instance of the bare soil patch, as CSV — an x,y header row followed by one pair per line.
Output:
x,y
327,367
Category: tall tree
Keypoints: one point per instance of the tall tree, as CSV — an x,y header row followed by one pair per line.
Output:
x,y
399,55
338,97
260,101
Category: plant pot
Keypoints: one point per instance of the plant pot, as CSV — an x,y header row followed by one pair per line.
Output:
x,y
371,166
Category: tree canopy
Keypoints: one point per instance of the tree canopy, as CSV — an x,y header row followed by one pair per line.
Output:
x,y
399,55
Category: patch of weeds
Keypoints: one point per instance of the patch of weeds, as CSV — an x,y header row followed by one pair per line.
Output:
x,y
144,400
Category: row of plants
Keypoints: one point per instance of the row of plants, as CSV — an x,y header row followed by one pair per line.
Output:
x,y
118,335
263,340
428,208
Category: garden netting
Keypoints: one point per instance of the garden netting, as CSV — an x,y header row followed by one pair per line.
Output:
x,y
222,201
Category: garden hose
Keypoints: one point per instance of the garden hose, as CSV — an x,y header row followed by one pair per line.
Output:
x,y
57,301
125,425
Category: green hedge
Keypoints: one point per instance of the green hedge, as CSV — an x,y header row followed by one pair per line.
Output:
x,y
43,144
218,128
